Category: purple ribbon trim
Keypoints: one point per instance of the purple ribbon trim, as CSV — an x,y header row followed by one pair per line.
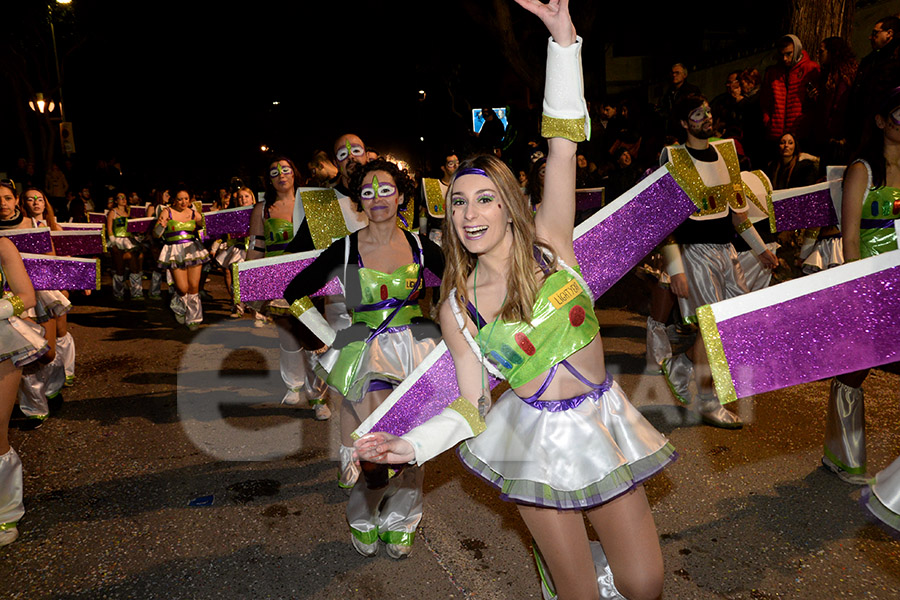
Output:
x,y
384,304
379,384
568,403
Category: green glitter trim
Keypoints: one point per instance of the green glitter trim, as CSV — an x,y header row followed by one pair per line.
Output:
x,y
469,413
366,537
853,470
570,129
399,538
235,283
715,352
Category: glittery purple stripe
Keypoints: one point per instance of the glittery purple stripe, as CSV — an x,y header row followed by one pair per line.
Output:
x,y
850,326
808,210
32,243
137,212
434,391
587,200
269,282
54,274
619,242
236,223
95,217
89,242
140,226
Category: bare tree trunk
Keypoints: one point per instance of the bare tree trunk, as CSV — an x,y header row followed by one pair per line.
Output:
x,y
814,20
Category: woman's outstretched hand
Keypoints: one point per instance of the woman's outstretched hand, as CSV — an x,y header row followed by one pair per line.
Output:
x,y
384,448
555,15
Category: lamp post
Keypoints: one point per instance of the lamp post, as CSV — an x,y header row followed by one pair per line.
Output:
x,y
62,112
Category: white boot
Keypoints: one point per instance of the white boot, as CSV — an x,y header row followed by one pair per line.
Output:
x,y
714,414
11,506
136,285
658,346
679,370
349,470
155,285
293,372
118,282
193,310
845,433
178,307
605,582
65,347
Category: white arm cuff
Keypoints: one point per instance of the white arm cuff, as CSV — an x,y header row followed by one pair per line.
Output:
x,y
672,259
564,87
751,236
445,430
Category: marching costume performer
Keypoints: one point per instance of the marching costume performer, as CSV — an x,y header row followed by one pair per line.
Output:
x,y
561,441
870,205
275,223
234,249
700,258
44,378
851,311
124,247
183,255
365,372
20,343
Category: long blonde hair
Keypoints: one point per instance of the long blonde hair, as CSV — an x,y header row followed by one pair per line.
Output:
x,y
524,282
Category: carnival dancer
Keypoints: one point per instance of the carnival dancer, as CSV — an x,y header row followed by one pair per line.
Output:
x,y
234,249
124,247
870,205
20,342
161,199
271,230
184,255
563,443
44,378
700,258
42,383
391,264
38,208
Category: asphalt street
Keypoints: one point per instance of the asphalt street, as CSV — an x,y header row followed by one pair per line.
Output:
x,y
171,471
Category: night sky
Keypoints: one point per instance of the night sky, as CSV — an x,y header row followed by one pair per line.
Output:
x,y
184,90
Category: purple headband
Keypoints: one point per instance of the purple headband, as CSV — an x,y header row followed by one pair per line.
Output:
x,y
471,171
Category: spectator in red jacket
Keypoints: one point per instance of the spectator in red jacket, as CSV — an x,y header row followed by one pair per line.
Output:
x,y
784,90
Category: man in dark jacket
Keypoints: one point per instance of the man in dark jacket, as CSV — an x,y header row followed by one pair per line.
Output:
x,y
784,90
885,40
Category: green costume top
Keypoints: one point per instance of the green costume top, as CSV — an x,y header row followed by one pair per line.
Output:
x,y
179,232
383,292
120,227
876,227
279,234
562,322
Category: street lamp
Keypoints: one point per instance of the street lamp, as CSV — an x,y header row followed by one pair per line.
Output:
x,y
40,105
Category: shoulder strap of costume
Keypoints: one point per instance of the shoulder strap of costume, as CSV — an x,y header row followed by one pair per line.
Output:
x,y
473,345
